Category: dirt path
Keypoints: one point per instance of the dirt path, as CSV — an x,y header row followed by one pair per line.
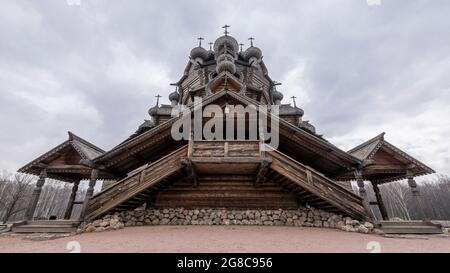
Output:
x,y
227,239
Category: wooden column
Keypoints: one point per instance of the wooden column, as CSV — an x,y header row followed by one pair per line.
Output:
x,y
36,194
72,197
380,202
416,195
90,191
363,193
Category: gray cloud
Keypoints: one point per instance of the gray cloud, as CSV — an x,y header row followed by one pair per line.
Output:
x,y
95,68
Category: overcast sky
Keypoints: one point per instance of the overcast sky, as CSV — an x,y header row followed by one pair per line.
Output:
x,y
358,67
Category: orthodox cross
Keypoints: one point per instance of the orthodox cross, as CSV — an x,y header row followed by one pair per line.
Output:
x,y
157,99
210,45
251,40
200,39
226,29
241,46
293,99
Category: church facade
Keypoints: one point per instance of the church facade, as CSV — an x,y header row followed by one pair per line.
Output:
x,y
153,169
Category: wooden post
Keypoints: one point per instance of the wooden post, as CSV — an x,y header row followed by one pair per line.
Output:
x,y
363,193
415,194
90,191
72,197
191,143
36,194
380,201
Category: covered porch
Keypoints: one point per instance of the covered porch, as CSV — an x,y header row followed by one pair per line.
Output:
x,y
384,163
70,162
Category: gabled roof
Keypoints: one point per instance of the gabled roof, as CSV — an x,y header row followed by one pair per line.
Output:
x,y
126,149
367,149
83,148
86,149
383,162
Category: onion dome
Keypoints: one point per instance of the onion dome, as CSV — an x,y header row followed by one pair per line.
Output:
x,y
199,52
277,97
153,111
253,52
174,96
299,112
308,126
227,40
226,66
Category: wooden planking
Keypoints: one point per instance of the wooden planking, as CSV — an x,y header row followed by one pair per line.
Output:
x,y
225,149
229,191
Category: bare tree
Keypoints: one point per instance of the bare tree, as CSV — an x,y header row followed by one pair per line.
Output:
x,y
15,192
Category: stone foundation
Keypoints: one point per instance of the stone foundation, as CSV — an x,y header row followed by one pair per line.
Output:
x,y
302,217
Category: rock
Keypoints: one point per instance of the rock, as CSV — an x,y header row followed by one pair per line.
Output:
x,y
377,231
303,216
368,225
348,228
317,223
347,221
89,228
164,221
99,229
363,229
97,223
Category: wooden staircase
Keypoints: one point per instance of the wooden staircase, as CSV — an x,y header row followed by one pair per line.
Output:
x,y
47,226
230,174
314,188
409,227
136,189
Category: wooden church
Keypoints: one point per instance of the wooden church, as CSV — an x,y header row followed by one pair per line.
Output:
x,y
152,169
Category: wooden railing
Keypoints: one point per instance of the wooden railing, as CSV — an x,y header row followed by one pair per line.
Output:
x,y
233,148
317,183
136,182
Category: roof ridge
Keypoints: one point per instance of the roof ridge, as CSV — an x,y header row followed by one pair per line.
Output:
x,y
72,137
378,137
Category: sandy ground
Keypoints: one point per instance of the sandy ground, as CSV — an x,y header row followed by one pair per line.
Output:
x,y
227,239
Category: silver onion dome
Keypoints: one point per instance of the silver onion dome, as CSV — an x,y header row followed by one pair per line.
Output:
x,y
253,52
226,65
199,52
174,98
277,97
230,42
153,111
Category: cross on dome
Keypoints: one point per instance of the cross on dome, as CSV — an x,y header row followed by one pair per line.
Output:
x,y
200,39
157,99
226,29
251,40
